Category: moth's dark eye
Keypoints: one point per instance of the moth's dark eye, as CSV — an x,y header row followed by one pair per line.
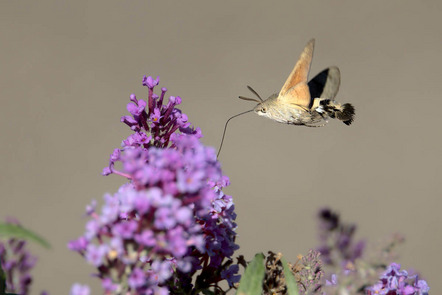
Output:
x,y
263,110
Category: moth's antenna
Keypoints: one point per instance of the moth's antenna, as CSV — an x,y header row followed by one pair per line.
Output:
x,y
225,128
247,98
254,92
252,99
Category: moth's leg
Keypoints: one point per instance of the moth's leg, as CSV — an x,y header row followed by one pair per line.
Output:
x,y
322,125
293,123
322,115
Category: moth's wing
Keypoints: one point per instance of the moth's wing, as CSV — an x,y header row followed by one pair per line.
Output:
x,y
299,73
325,84
299,95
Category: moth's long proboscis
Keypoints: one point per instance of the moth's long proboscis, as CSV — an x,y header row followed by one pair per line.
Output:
x,y
225,128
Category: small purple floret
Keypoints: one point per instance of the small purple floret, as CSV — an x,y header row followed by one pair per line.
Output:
x,y
150,82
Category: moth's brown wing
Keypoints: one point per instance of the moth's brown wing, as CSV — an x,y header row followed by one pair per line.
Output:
x,y
297,96
299,73
325,84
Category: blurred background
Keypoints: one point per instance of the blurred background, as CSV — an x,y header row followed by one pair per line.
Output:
x,y
68,68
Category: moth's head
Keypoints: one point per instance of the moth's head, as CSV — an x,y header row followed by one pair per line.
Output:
x,y
261,109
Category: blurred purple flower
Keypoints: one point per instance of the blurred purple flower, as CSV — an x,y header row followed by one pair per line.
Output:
x,y
78,245
108,286
333,280
137,278
17,263
146,238
78,289
336,239
95,254
125,230
162,269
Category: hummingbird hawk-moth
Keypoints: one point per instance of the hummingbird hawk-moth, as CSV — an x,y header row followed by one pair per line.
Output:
x,y
304,103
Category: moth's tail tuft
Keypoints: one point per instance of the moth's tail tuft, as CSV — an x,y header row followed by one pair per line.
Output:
x,y
345,112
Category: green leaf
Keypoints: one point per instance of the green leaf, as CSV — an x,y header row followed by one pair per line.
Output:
x,y
16,231
292,286
251,281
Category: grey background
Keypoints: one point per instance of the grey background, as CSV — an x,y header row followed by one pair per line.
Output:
x,y
68,68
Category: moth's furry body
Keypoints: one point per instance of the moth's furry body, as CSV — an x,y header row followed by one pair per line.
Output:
x,y
287,114
293,114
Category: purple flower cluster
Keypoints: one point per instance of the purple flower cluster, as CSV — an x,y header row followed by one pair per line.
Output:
x,y
17,263
171,220
396,282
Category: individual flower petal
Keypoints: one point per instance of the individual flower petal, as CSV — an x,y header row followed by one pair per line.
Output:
x,y
95,254
162,269
150,82
146,238
78,245
125,229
